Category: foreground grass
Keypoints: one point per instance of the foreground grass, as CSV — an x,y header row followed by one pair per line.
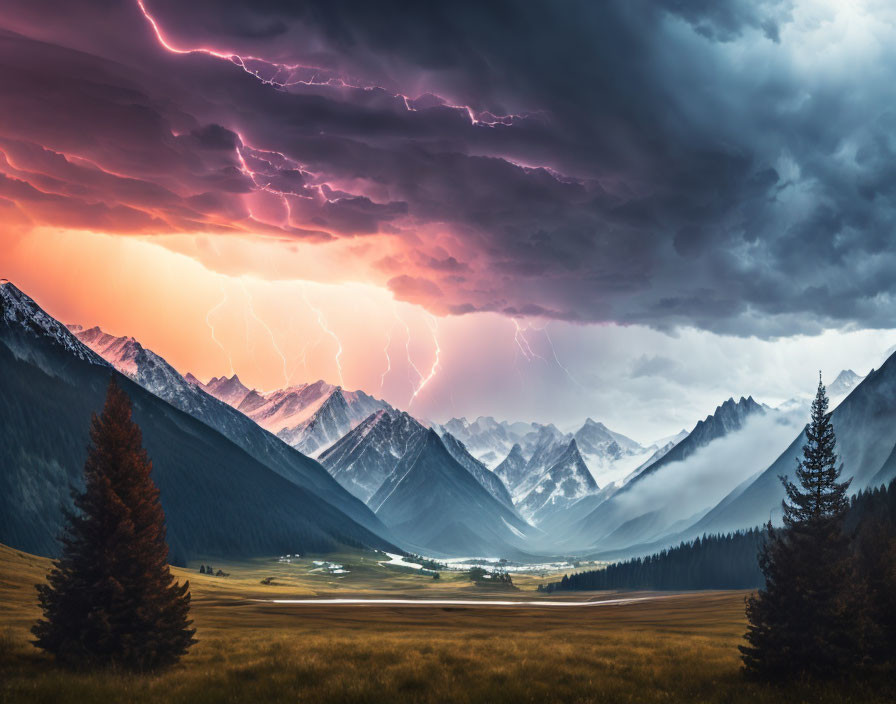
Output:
x,y
681,648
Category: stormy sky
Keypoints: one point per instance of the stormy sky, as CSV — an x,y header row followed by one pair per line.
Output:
x,y
650,181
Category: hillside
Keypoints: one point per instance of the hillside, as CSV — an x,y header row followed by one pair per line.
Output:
x,y
218,499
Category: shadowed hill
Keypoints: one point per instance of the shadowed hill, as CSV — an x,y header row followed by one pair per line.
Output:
x,y
218,499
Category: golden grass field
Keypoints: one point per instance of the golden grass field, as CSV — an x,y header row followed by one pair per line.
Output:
x,y
679,648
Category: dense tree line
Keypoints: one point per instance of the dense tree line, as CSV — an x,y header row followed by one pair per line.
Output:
x,y
731,561
711,562
826,599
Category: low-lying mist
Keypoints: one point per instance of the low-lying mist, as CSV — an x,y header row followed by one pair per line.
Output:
x,y
681,489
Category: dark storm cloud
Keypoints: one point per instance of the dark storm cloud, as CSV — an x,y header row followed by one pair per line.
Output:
x,y
668,163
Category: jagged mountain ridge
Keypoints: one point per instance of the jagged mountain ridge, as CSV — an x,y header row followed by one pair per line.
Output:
x,y
310,417
865,426
231,390
365,456
728,417
565,481
218,499
153,373
431,497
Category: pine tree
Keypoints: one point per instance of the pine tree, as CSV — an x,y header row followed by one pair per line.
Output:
x,y
807,619
111,599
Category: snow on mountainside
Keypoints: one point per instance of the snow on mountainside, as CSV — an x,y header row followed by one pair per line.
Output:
x,y
485,438
310,417
837,390
671,439
845,382
565,481
483,474
140,364
16,308
610,456
363,458
512,469
231,391
330,421
593,435
439,505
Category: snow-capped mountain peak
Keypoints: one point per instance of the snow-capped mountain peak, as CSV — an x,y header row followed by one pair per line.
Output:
x,y
845,382
229,390
310,417
512,469
142,365
365,456
18,310
565,481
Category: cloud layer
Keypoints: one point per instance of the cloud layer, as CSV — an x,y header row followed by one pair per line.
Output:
x,y
728,166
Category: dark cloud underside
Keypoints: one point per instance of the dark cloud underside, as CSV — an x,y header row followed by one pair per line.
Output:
x,y
673,163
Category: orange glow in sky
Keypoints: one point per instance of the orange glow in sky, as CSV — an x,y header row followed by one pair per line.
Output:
x,y
208,323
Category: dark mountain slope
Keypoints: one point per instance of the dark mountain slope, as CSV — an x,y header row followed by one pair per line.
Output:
x,y
727,418
154,374
483,474
365,456
865,424
219,501
438,504
512,469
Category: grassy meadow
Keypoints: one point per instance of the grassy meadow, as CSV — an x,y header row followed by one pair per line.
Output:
x,y
678,648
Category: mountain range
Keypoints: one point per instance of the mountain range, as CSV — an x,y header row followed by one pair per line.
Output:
x,y
610,457
154,374
309,417
236,470
219,499
865,427
395,464
618,516
431,497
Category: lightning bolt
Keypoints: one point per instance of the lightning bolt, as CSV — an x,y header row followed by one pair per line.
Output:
x,y
322,321
519,337
269,331
303,360
283,76
269,157
212,328
388,359
557,359
407,348
434,329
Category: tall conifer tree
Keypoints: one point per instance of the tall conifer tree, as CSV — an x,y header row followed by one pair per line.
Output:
x,y
111,599
807,620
